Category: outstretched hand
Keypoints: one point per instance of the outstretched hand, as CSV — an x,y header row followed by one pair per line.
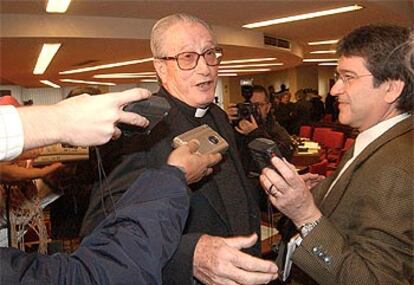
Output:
x,y
220,260
195,166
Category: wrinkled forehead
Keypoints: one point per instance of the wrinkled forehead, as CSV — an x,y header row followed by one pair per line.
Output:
x,y
185,35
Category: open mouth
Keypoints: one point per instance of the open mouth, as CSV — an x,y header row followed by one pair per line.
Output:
x,y
204,84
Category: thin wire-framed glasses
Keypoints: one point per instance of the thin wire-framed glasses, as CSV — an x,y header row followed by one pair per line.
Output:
x,y
348,78
188,60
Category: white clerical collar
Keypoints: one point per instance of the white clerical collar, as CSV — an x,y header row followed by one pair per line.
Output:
x,y
199,113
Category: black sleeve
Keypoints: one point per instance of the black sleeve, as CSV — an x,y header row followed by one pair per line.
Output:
x,y
130,245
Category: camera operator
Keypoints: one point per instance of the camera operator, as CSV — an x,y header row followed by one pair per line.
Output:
x,y
259,121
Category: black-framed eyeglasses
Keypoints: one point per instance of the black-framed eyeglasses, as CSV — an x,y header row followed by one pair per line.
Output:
x,y
189,59
348,78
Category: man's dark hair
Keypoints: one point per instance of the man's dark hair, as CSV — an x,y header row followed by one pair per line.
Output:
x,y
382,48
261,89
82,90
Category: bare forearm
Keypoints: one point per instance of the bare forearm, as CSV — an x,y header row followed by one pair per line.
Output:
x,y
40,126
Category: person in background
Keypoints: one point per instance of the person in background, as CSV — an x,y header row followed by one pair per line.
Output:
x,y
131,245
285,112
303,108
221,236
331,105
318,108
264,126
356,227
272,95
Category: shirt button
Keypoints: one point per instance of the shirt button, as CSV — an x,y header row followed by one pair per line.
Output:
x,y
327,259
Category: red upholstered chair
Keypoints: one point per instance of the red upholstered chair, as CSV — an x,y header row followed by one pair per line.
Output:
x,y
305,132
334,156
320,134
334,140
348,143
319,167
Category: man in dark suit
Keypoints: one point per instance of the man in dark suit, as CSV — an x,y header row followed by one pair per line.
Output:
x,y
223,218
356,227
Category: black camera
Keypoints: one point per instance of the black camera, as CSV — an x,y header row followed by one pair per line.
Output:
x,y
155,108
247,108
262,150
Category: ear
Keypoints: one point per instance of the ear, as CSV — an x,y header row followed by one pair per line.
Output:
x,y
161,69
393,90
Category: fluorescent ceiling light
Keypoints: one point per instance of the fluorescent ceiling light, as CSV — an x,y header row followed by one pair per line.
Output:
x,y
87,82
57,6
45,57
149,80
327,42
244,70
247,60
328,63
303,16
319,59
323,51
227,74
51,84
126,75
103,66
251,65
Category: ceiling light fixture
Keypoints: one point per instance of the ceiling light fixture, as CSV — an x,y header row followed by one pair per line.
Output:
x,y
319,59
251,65
323,52
244,70
247,60
328,63
126,75
149,80
303,16
104,66
327,42
45,57
51,84
227,74
87,82
57,6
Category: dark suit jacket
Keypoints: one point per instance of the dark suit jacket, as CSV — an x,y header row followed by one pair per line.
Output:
x,y
366,232
227,211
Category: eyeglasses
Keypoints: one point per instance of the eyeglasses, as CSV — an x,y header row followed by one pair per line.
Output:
x,y
348,78
188,60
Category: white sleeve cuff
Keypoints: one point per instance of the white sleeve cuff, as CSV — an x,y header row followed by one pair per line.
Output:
x,y
11,133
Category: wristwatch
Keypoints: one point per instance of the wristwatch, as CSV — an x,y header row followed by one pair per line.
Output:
x,y
306,228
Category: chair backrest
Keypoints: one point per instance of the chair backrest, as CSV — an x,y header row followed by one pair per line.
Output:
x,y
327,118
320,134
305,132
334,140
319,167
348,143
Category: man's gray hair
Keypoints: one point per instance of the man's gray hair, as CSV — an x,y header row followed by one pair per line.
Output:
x,y
160,27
